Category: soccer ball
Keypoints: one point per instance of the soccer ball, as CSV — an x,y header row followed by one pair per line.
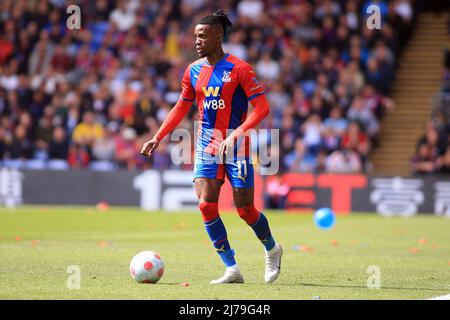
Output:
x,y
324,218
146,267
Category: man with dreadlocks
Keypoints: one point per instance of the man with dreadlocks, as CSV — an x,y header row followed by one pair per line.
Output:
x,y
223,85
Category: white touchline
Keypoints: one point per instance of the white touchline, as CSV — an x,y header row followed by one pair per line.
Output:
x,y
446,297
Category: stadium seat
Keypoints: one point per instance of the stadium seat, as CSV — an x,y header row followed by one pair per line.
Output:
x,y
36,164
57,165
102,166
14,163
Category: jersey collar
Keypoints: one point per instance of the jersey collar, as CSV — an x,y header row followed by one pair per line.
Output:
x,y
218,62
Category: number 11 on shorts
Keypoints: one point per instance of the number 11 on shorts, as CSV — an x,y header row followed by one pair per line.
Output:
x,y
240,164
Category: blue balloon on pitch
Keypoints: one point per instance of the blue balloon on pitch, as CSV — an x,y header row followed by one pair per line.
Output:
x,y
324,218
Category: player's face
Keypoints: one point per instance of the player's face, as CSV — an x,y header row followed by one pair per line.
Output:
x,y
207,39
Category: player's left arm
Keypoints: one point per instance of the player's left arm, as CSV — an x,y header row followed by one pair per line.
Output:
x,y
260,111
256,96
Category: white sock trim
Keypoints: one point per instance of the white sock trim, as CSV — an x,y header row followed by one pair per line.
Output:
x,y
233,268
275,248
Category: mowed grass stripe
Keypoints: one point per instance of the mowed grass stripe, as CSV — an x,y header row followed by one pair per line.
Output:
x,y
38,244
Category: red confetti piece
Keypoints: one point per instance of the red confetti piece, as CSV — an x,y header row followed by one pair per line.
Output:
x,y
101,243
414,250
103,206
423,241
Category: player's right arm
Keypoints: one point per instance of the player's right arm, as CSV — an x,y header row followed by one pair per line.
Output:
x,y
175,115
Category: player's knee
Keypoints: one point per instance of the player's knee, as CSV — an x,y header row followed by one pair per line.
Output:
x,y
209,210
249,214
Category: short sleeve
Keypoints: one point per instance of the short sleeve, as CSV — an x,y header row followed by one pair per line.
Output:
x,y
187,91
249,84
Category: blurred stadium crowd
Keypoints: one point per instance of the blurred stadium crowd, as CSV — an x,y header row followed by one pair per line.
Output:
x,y
91,97
433,148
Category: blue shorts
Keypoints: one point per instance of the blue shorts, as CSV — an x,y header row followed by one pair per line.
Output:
x,y
239,171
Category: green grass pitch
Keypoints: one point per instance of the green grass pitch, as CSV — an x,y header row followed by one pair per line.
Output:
x,y
38,244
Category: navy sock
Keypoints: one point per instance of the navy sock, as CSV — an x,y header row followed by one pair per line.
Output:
x,y
218,235
262,231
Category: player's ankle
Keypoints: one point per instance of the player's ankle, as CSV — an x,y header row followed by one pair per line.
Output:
x,y
233,268
274,249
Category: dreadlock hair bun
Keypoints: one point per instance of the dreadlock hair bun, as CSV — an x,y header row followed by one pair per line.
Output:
x,y
218,17
220,13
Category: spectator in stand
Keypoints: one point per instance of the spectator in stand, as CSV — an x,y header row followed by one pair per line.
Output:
x,y
104,149
312,64
20,147
363,115
318,106
278,100
78,156
59,145
432,139
44,134
267,68
342,97
333,129
375,102
27,122
384,64
404,9
336,122
123,17
24,93
352,18
12,108
299,160
9,79
374,76
71,119
6,49
40,58
356,140
126,149
161,156
328,38
343,161
425,159
301,105
288,134
235,45
441,123
61,61
276,193
88,130
321,161
250,9
312,134
355,76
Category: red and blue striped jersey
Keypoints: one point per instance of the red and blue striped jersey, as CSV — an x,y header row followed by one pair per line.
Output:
x,y
222,93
